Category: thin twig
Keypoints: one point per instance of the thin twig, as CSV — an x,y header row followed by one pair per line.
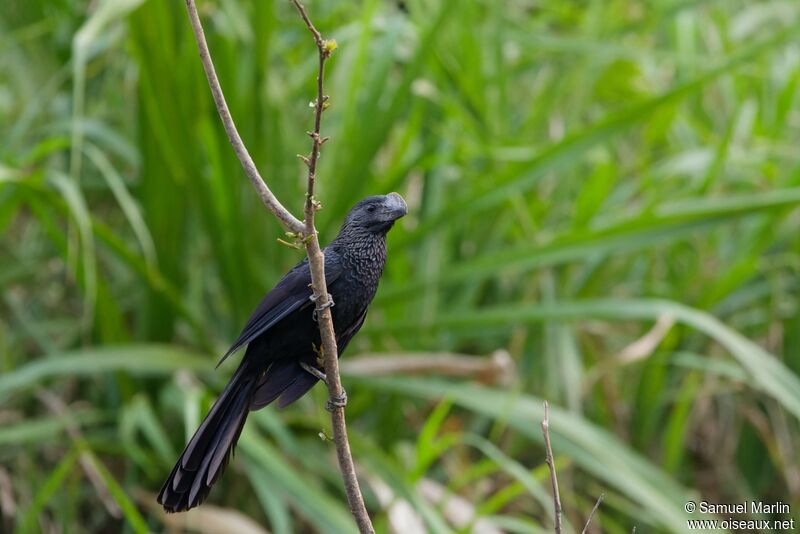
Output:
x,y
551,465
591,514
316,261
290,222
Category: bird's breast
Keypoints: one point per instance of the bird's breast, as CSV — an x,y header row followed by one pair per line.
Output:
x,y
358,283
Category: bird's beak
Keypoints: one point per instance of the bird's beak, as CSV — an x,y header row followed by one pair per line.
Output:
x,y
396,206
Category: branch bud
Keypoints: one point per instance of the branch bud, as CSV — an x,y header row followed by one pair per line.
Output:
x,y
328,46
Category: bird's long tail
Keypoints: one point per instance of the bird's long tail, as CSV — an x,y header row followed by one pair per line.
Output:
x,y
205,457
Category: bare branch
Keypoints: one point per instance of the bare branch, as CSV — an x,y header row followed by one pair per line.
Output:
x,y
551,465
591,514
289,221
319,285
309,24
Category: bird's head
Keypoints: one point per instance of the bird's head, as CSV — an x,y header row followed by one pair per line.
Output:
x,y
377,214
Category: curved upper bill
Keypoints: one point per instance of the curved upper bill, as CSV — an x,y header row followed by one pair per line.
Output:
x,y
396,205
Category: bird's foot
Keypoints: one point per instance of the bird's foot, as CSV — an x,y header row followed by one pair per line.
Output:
x,y
314,371
319,307
337,401
334,402
314,298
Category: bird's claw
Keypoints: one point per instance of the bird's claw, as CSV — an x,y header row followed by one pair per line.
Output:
x,y
338,401
314,372
319,307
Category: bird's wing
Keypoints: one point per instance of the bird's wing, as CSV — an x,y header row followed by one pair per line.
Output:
x,y
344,337
292,293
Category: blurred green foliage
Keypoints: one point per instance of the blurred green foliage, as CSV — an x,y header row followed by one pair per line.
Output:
x,y
576,173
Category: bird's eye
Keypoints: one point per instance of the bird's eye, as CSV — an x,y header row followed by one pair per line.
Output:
x,y
370,208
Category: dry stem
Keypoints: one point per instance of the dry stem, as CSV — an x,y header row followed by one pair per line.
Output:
x,y
551,465
591,514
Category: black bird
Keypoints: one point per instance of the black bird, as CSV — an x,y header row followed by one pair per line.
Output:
x,y
281,337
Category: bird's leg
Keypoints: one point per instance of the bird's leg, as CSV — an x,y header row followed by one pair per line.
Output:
x,y
314,371
319,307
339,401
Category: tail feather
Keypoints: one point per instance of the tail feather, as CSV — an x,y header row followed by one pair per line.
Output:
x,y
231,435
209,429
209,450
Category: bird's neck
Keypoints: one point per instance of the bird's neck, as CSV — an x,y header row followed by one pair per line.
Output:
x,y
367,245
364,254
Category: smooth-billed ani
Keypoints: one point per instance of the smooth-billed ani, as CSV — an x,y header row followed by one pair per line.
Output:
x,y
280,336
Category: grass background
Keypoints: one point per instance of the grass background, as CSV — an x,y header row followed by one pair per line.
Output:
x,y
604,191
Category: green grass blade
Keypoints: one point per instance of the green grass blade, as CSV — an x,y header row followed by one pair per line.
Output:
x,y
661,499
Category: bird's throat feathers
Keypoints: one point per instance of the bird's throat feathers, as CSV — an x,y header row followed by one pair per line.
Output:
x,y
364,253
